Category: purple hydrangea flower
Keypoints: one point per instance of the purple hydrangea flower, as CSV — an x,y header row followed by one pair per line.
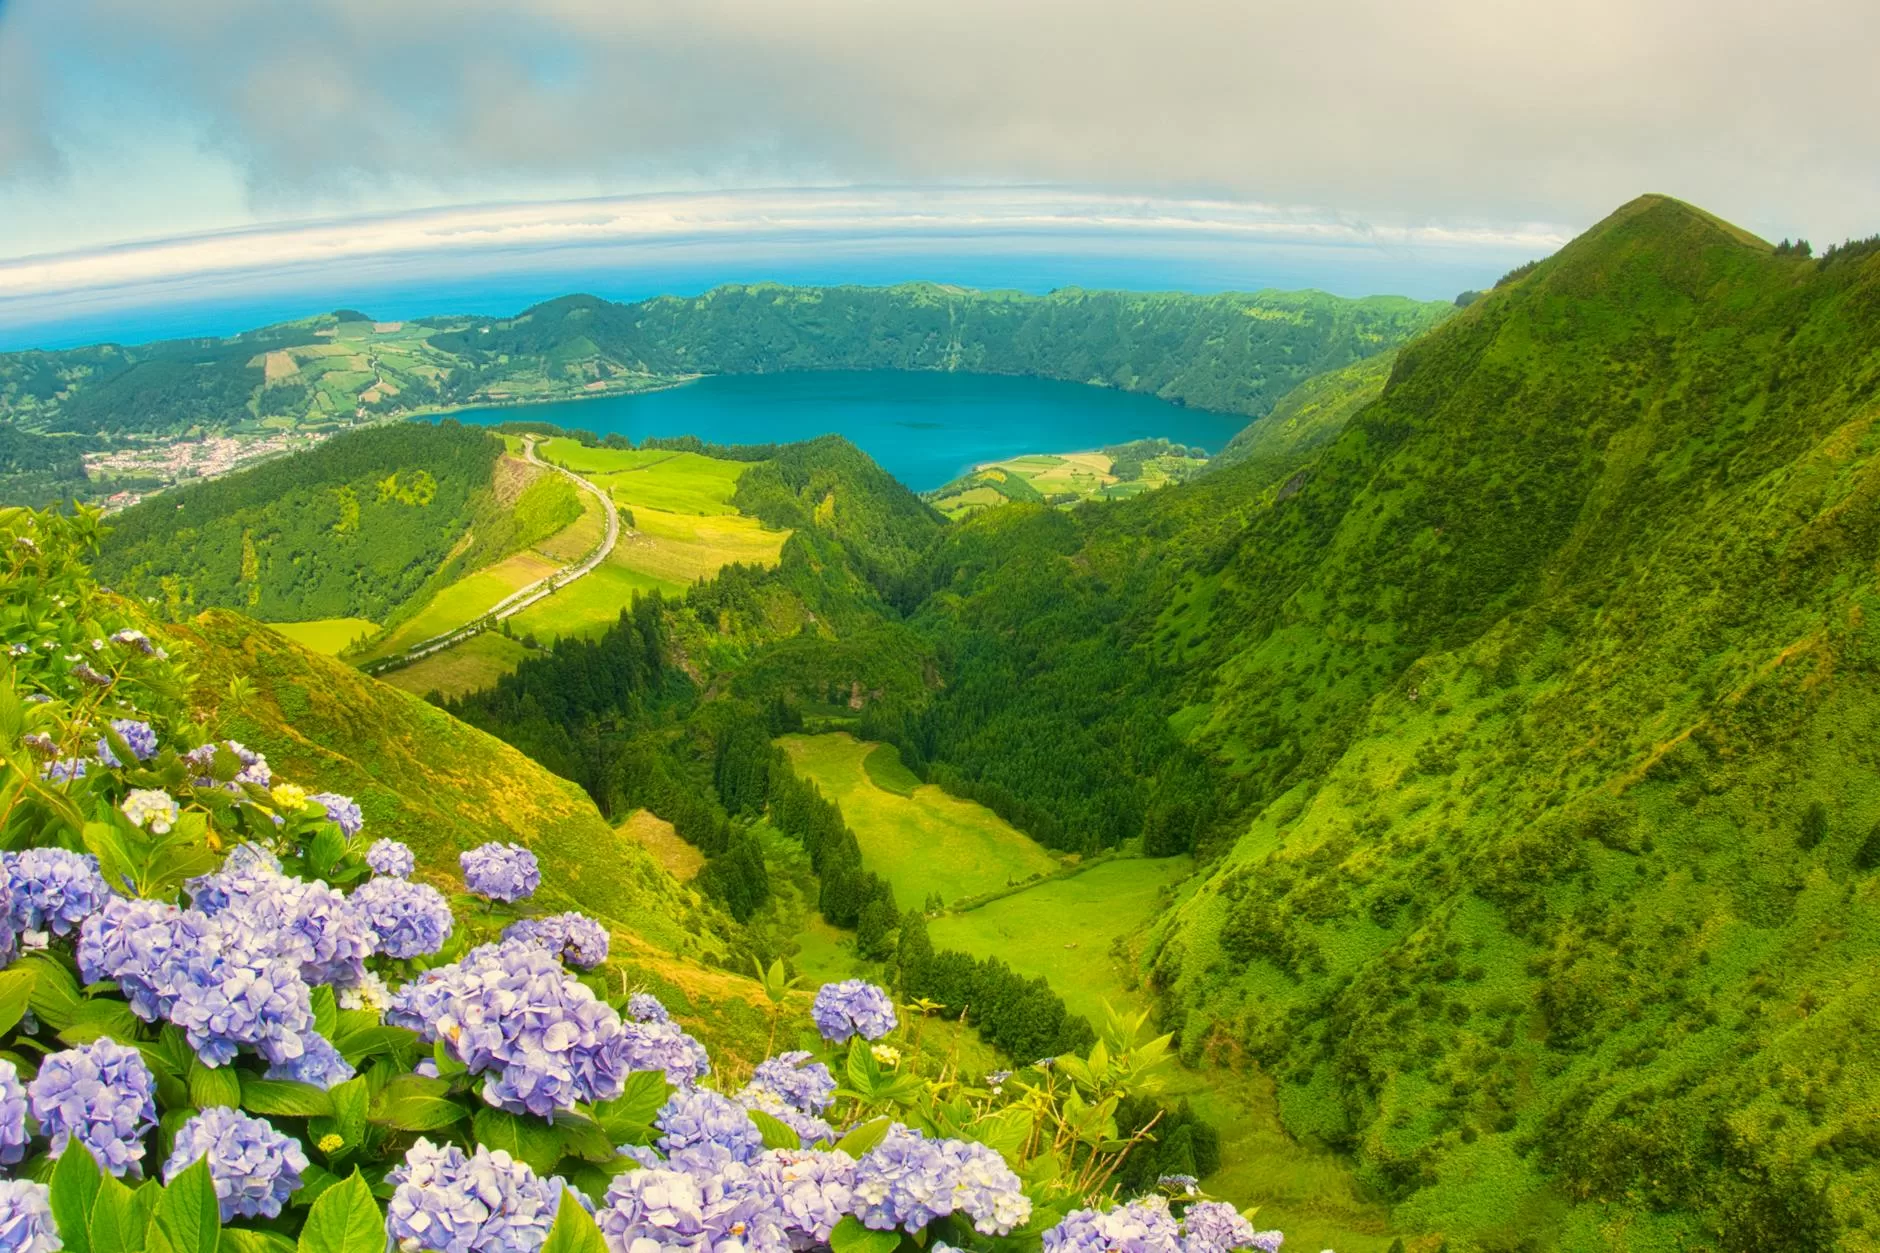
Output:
x,y
351,820
645,1007
308,924
26,1224
139,736
65,769
254,766
654,1209
138,640
130,940
52,889
255,1167
813,1189
13,1135
502,872
230,991
451,1202
319,1064
1142,1226
810,1130
410,919
1215,1227
390,858
574,937
852,1007
665,1047
908,1180
702,1130
569,1046
103,1094
802,1083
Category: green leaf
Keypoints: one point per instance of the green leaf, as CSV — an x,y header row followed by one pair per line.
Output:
x,y
242,1240
863,1069
526,1139
325,1011
217,1085
324,849
416,1113
16,992
357,1045
863,1138
54,997
284,1097
346,1219
351,1100
75,1184
91,1020
583,1137
628,1115
115,859
1006,1131
187,1218
777,1133
851,1237
121,1218
574,1230
446,1061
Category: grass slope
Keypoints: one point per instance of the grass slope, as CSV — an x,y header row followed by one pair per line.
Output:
x,y
441,786
327,635
922,843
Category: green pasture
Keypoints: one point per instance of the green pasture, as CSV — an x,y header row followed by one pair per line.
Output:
x,y
474,664
923,843
466,600
679,482
326,635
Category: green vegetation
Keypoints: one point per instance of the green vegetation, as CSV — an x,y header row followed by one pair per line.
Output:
x,y
1115,473
328,635
352,529
925,844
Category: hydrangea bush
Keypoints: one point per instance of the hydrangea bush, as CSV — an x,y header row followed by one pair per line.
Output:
x,y
215,976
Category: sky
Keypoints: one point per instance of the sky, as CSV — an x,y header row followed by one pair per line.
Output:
x,y
244,155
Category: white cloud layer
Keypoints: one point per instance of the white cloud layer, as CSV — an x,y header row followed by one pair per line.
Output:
x,y
1433,111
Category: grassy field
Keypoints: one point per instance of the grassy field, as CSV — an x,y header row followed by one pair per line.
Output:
x,y
466,600
1063,929
656,835
578,538
326,635
474,664
678,482
1060,477
923,843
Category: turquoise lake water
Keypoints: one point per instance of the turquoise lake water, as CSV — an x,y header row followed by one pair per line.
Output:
x,y
923,427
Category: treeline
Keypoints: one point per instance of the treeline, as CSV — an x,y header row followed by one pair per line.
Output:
x,y
353,528
39,470
1022,1017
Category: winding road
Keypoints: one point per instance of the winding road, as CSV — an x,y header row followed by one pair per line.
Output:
x,y
522,598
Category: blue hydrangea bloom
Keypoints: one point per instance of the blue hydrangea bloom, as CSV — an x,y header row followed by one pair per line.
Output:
x,y
655,1209
26,1224
138,736
574,937
308,924
255,1167
103,1094
1142,1226
351,820
65,769
319,1064
908,1180
131,940
13,1135
451,1202
227,990
254,767
801,1082
502,872
810,1130
701,1130
391,858
664,1046
570,1046
410,919
52,889
1216,1227
852,1007
645,1007
813,1190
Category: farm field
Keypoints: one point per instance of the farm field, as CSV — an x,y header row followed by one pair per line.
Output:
x,y
922,843
326,635
472,665
466,600
1029,929
677,482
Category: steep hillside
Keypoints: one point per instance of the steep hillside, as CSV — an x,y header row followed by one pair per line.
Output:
x,y
440,786
1548,684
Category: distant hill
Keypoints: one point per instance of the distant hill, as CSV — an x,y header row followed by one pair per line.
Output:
x,y
1235,353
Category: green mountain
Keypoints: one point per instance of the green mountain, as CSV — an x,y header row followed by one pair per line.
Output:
x,y
1545,688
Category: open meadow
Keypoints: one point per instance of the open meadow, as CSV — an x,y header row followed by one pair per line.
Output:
x,y
924,842
474,664
327,635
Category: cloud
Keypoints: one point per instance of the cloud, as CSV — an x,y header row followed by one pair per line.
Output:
x,y
1444,110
